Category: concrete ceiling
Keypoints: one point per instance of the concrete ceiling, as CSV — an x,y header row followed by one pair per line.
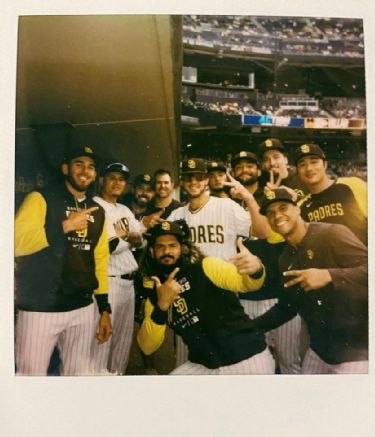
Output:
x,y
115,78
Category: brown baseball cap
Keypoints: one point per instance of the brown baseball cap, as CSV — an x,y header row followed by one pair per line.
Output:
x,y
308,149
193,165
270,144
244,154
276,195
216,166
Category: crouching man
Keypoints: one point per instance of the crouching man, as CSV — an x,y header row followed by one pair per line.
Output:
x,y
196,297
324,270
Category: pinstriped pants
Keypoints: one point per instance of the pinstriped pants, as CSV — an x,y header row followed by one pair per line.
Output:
x,y
259,364
113,355
37,333
290,339
313,364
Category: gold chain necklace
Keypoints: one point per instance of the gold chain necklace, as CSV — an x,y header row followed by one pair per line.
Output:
x,y
195,211
76,202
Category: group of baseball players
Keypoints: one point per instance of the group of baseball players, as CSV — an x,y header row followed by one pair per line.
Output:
x,y
263,269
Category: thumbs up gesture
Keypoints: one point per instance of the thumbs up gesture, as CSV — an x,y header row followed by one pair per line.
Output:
x,y
167,292
149,221
246,263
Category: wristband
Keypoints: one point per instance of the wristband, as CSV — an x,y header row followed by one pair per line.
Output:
x,y
159,316
103,304
258,274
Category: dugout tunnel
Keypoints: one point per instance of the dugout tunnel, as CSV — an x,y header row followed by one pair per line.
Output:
x,y
112,82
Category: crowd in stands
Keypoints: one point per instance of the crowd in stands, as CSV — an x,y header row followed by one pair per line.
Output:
x,y
231,102
339,37
348,169
342,107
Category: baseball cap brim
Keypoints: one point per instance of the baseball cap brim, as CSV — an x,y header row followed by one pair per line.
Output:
x,y
280,195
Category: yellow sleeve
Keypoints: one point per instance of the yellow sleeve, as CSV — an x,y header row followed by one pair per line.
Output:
x,y
29,226
359,189
101,255
275,238
225,275
150,335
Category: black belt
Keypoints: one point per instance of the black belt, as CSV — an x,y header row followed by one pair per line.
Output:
x,y
128,276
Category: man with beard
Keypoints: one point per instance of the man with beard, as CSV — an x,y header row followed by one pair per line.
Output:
x,y
214,223
61,242
246,169
141,195
286,340
217,175
192,295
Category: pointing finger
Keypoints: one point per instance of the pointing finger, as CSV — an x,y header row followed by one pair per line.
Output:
x,y
294,281
292,273
174,273
93,208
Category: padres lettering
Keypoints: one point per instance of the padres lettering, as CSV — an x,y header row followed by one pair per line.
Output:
x,y
323,212
207,234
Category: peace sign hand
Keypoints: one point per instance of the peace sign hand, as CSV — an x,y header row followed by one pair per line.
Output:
x,y
272,184
237,190
309,279
167,292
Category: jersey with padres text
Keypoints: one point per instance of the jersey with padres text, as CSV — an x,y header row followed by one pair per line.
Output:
x,y
344,202
215,227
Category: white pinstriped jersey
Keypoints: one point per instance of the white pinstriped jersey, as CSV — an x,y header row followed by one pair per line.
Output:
x,y
121,260
215,227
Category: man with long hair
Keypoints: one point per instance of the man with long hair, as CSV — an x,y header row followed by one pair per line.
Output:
x,y
196,297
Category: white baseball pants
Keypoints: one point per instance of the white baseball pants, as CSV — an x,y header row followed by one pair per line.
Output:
x,y
37,333
112,356
314,365
259,364
290,340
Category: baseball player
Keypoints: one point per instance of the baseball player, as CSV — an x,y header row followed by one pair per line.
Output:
x,y
214,223
142,193
162,204
123,234
247,170
191,294
274,158
62,254
217,175
324,270
289,340
341,201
